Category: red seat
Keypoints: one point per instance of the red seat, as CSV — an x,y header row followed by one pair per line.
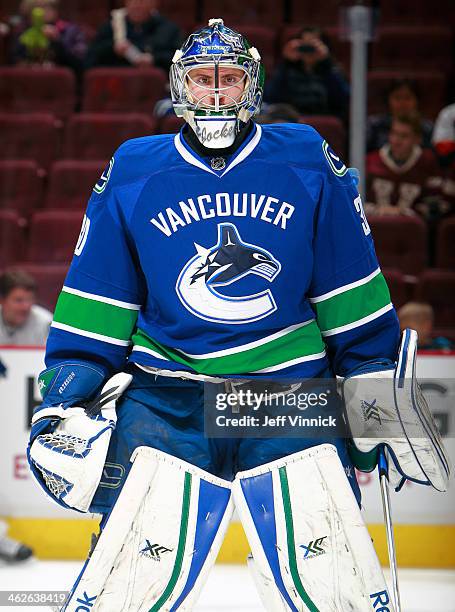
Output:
x,y
96,136
37,89
21,186
264,39
319,14
170,124
400,242
431,87
182,12
49,279
264,12
407,12
405,47
53,236
11,237
397,286
438,288
34,136
71,183
445,244
117,90
331,129
86,11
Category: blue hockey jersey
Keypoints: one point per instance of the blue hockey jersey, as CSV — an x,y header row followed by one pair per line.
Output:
x,y
261,264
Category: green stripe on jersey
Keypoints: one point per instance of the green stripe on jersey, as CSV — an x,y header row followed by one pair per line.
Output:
x,y
304,341
353,304
94,316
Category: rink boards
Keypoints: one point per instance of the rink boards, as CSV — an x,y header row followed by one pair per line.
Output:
x,y
425,519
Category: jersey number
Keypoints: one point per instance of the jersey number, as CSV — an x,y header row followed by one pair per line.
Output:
x,y
359,208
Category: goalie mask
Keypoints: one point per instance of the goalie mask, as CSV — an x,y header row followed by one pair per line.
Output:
x,y
216,81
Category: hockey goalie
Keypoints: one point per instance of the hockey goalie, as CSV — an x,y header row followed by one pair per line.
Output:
x,y
228,252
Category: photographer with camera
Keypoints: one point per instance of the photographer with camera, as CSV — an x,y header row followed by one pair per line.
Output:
x,y
308,78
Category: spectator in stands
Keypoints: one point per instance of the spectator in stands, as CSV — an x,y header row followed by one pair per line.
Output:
x,y
136,35
308,77
22,322
444,144
420,316
402,99
403,178
65,42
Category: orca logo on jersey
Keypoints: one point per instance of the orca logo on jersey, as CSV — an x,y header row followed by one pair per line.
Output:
x,y
223,264
104,178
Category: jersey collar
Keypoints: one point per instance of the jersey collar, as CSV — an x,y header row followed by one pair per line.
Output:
x,y
242,153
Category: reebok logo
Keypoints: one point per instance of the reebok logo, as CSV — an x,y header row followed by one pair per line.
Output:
x,y
380,599
86,603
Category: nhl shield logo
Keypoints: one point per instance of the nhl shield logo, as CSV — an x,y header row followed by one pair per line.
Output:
x,y
198,285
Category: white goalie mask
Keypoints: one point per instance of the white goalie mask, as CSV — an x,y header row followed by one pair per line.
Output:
x,y
216,81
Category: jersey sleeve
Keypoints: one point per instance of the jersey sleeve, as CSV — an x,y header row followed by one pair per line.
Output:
x,y
99,303
348,292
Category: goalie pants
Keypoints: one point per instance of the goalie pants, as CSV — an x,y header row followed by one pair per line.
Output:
x,y
167,413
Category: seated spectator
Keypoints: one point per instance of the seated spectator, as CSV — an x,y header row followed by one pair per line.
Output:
x,y
42,36
420,316
402,99
136,35
22,322
444,144
308,77
403,178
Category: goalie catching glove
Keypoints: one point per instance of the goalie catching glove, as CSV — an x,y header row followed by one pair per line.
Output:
x,y
385,407
69,440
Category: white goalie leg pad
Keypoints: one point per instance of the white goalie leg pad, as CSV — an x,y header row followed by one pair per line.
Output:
x,y
307,535
160,540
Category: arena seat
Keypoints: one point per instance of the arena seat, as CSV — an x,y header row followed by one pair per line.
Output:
x,y
437,287
35,136
400,242
21,185
406,12
117,90
53,236
86,12
49,279
37,89
264,39
319,14
170,124
185,13
404,47
445,244
12,238
431,87
97,135
397,286
331,129
71,183
264,12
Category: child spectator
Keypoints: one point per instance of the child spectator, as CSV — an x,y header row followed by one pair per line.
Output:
x,y
420,316
402,99
402,177
22,322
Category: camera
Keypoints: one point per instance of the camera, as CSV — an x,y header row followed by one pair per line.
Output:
x,y
307,49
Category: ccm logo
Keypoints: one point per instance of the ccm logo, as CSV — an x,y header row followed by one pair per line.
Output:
x,y
380,599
